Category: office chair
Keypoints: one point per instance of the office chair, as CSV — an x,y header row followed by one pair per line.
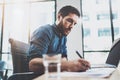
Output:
x,y
19,51
114,54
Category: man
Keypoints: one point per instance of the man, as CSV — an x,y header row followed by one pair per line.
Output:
x,y
52,39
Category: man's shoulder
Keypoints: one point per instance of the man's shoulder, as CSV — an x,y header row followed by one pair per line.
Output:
x,y
47,27
44,29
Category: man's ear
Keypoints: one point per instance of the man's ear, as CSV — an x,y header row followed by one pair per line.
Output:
x,y
59,17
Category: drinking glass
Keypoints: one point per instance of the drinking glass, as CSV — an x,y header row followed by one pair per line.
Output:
x,y
52,64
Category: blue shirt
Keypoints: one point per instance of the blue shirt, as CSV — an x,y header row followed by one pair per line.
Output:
x,y
45,40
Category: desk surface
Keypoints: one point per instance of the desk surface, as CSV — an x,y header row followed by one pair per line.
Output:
x,y
114,76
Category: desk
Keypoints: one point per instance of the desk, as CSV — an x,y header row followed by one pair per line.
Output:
x,y
114,76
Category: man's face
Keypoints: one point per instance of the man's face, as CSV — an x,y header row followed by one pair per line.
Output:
x,y
67,23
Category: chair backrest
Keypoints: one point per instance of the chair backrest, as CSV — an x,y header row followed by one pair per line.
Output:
x,y
19,51
114,54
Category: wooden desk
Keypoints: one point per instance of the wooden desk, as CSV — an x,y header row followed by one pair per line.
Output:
x,y
114,76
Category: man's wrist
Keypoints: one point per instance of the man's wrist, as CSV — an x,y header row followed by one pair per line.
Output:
x,y
64,65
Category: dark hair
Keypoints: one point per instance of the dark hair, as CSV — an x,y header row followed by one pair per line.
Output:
x,y
66,10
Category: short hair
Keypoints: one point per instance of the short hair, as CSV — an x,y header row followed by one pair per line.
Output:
x,y
66,10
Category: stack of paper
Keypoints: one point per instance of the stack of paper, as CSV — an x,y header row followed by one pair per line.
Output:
x,y
93,72
102,66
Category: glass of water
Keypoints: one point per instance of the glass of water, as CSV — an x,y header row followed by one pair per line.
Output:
x,y
52,64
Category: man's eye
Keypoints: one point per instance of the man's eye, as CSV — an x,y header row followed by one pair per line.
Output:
x,y
70,20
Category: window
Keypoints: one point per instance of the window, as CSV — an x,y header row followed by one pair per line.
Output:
x,y
97,37
1,24
86,32
98,33
21,18
106,16
104,32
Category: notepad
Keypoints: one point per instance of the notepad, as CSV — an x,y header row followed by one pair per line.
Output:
x,y
102,66
93,72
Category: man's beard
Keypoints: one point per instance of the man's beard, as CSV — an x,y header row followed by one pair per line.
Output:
x,y
63,30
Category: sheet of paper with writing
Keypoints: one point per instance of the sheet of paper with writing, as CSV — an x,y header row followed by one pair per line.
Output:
x,y
93,72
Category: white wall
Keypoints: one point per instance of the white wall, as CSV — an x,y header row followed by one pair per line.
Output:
x,y
75,3
74,41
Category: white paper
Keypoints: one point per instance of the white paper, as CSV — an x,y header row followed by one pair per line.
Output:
x,y
102,66
94,72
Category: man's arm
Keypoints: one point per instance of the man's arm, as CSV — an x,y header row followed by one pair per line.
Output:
x,y
36,65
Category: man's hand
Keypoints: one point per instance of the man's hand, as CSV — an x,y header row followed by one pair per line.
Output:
x,y
76,65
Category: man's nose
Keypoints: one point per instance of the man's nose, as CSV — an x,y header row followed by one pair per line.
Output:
x,y
72,25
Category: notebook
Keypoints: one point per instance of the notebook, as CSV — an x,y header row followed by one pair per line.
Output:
x,y
96,70
93,72
102,66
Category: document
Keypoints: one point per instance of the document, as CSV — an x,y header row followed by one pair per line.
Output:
x,y
93,72
102,66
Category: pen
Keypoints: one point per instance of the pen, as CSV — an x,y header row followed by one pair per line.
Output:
x,y
82,58
79,54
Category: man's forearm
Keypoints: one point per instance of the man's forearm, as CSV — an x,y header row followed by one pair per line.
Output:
x,y
36,65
